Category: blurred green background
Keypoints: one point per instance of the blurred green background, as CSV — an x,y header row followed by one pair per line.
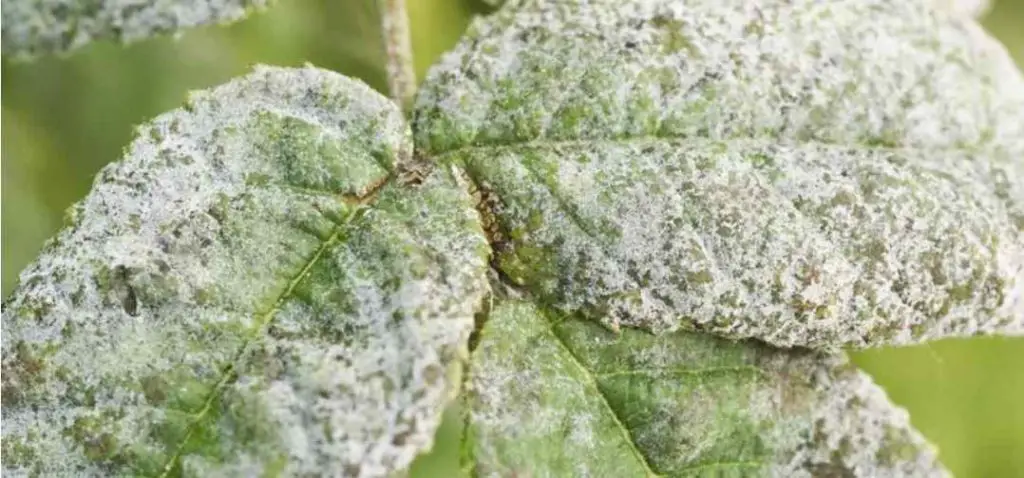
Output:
x,y
64,118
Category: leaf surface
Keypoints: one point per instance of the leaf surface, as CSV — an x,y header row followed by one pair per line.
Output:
x,y
37,27
824,175
253,290
556,396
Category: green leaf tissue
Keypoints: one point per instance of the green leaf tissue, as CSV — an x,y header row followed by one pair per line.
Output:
x,y
627,238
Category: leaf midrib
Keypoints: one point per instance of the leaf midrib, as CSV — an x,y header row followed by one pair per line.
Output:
x,y
592,378
592,383
645,140
266,317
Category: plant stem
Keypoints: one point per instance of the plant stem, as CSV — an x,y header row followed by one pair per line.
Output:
x,y
398,48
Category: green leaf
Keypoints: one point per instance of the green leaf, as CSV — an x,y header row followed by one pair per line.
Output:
x,y
258,288
823,175
550,395
272,283
37,27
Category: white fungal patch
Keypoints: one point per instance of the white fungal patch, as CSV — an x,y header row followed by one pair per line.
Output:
x,y
36,27
807,245
678,404
745,169
247,290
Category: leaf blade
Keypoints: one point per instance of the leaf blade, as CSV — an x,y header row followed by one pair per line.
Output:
x,y
574,88
252,291
546,71
744,410
32,28
788,244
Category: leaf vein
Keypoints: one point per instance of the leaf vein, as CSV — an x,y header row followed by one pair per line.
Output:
x,y
264,318
604,400
700,372
564,205
720,464
651,139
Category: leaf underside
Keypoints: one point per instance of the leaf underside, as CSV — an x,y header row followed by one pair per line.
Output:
x,y
272,283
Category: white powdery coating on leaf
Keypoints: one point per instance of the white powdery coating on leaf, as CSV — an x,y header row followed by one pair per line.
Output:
x,y
36,27
678,404
533,411
967,8
590,79
368,405
854,427
915,76
219,241
808,245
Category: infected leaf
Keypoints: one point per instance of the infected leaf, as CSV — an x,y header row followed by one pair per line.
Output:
x,y
272,282
555,396
250,291
37,27
746,170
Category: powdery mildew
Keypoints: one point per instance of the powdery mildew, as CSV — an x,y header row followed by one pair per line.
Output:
x,y
36,27
807,245
563,397
849,72
248,291
852,188
972,8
